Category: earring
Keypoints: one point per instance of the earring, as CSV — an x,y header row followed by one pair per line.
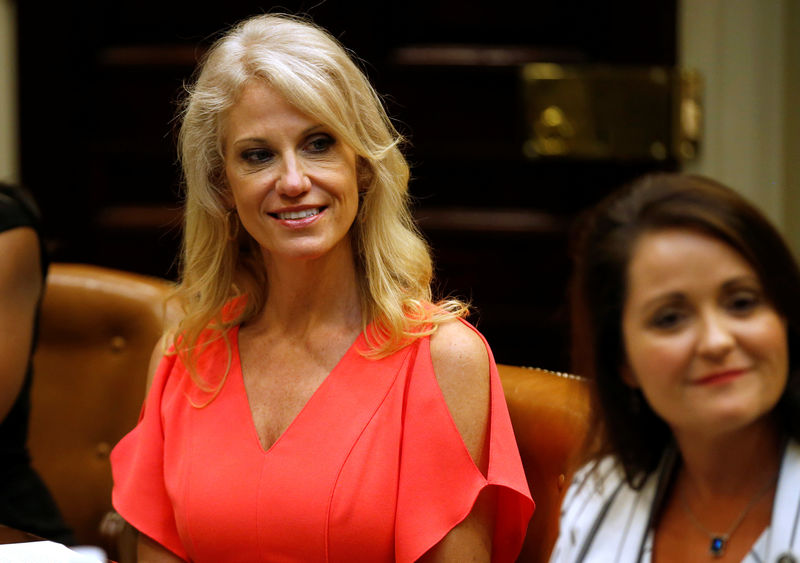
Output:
x,y
232,224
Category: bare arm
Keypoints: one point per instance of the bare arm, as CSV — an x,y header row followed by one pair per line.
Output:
x,y
462,370
150,551
20,286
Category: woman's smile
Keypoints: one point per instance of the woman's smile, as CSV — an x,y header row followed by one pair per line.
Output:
x,y
720,377
301,214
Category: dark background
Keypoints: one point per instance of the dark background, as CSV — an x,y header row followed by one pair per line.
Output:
x,y
98,90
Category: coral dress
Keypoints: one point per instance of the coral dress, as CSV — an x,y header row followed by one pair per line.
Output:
x,y
372,469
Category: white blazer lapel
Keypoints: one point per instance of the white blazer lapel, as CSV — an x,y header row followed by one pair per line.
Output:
x,y
784,536
634,532
624,530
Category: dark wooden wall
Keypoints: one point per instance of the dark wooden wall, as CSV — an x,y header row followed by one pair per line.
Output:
x,y
99,81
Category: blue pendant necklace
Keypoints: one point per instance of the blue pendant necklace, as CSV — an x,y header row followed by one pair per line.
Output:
x,y
719,542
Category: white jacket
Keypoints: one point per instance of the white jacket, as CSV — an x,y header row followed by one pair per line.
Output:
x,y
603,520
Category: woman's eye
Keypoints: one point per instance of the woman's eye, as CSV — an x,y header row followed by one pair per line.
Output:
x,y
667,319
320,143
743,302
256,156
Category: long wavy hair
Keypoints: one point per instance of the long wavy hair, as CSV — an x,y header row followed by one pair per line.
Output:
x,y
315,74
605,238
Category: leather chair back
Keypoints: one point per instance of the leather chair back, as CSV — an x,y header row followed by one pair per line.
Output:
x,y
97,330
550,413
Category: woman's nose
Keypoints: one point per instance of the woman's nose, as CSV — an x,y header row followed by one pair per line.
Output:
x,y
716,338
293,180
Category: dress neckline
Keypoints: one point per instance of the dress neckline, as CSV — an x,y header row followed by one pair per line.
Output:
x,y
306,412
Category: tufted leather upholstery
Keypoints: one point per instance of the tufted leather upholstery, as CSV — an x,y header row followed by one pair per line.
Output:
x,y
549,412
97,330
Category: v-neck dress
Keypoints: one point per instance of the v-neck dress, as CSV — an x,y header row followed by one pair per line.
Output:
x,y
372,469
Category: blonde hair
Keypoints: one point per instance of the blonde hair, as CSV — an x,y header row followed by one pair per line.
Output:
x,y
315,74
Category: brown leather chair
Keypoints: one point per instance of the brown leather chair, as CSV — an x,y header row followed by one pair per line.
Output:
x,y
549,412
97,330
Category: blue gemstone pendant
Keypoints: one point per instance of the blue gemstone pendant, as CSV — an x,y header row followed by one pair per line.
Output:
x,y
718,544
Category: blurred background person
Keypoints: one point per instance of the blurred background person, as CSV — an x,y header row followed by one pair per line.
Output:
x,y
25,503
317,405
686,319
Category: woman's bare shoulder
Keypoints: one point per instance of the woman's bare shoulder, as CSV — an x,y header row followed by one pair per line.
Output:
x,y
461,364
456,349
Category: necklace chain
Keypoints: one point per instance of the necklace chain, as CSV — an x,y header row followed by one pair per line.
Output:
x,y
720,541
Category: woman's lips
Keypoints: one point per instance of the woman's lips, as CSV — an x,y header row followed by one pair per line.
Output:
x,y
300,214
298,218
720,377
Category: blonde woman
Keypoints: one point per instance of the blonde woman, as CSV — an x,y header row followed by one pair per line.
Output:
x,y
315,404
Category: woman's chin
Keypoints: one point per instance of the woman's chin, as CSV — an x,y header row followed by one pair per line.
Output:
x,y
726,420
302,251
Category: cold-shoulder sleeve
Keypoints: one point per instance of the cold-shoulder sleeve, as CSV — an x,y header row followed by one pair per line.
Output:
x,y
137,463
439,482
